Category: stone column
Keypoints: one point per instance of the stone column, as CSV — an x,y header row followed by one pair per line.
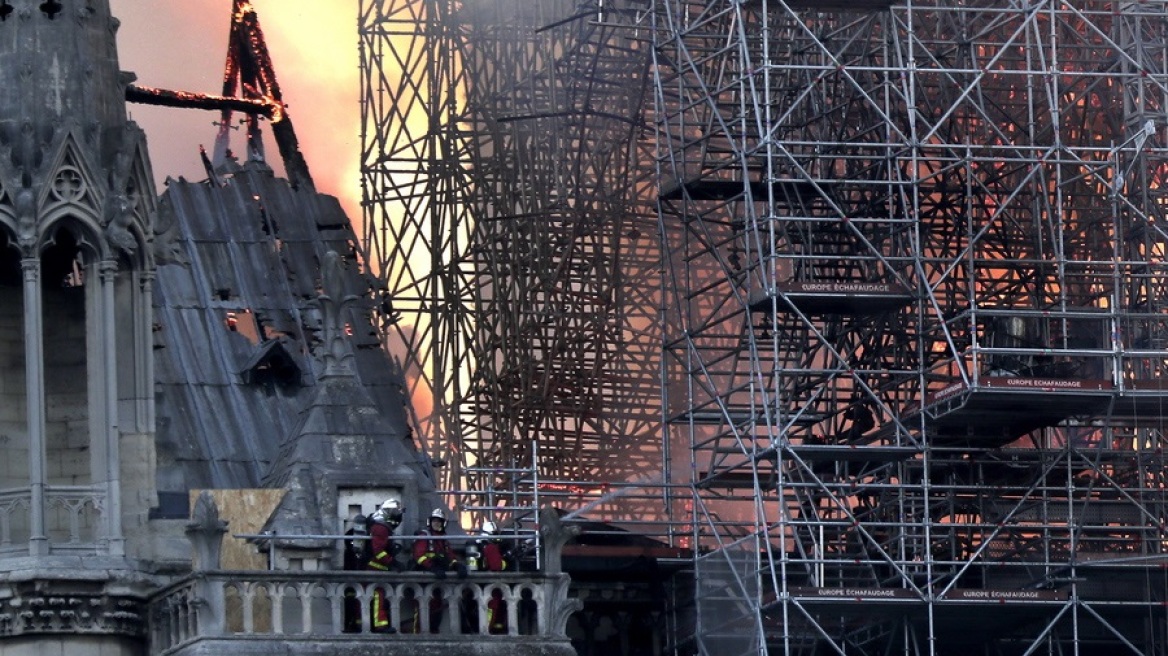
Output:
x,y
34,380
144,345
108,271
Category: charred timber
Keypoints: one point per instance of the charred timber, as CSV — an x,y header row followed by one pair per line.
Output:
x,y
295,166
167,98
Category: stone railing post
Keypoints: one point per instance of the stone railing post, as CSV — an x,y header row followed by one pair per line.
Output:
x,y
553,536
206,531
557,607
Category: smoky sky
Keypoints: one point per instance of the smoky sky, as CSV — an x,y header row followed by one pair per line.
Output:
x,y
182,45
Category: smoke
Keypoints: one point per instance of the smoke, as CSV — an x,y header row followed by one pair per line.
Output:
x,y
313,44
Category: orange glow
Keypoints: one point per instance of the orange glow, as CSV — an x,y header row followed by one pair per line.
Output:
x,y
313,46
575,489
314,52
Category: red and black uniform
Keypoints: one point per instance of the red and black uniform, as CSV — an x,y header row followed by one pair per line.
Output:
x,y
382,548
496,613
432,552
495,556
381,559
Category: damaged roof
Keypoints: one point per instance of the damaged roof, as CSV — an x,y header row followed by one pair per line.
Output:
x,y
238,321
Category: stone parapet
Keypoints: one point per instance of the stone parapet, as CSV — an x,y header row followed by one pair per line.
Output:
x,y
278,612
380,645
76,516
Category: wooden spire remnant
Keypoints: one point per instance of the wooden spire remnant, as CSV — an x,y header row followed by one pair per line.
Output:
x,y
250,87
248,73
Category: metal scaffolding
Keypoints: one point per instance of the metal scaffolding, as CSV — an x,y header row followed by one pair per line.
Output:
x,y
916,320
892,274
509,210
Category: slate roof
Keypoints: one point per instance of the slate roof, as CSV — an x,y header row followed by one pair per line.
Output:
x,y
254,247
341,436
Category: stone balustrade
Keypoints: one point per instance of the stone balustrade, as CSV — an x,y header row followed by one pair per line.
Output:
x,y
73,519
294,612
308,606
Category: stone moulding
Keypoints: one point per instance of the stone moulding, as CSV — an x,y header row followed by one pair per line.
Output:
x,y
72,614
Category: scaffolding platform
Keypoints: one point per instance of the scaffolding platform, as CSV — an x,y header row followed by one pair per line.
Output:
x,y
852,453
742,416
834,297
1142,401
743,477
865,610
956,596
843,460
838,5
786,192
995,614
734,479
999,409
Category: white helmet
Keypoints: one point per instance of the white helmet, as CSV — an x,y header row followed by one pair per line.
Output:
x,y
390,512
439,515
490,528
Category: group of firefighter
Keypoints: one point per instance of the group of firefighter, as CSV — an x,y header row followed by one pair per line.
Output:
x,y
373,547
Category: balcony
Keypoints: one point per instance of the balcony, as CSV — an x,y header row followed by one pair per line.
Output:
x,y
301,612
220,612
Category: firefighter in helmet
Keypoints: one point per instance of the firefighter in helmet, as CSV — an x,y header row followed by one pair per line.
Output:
x,y
383,552
496,554
432,551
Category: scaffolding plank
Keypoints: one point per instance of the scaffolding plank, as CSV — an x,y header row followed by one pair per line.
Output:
x,y
999,409
841,5
791,192
834,297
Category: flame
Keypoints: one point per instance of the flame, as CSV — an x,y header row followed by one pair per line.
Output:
x,y
313,45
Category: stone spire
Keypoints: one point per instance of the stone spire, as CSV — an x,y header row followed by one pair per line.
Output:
x,y
342,439
65,144
62,59
77,200
336,352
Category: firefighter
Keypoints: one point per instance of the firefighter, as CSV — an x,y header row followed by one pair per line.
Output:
x,y
355,559
383,552
356,546
859,414
432,551
496,613
496,555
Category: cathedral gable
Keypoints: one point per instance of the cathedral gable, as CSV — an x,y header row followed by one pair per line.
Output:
x,y
6,215
137,185
69,182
